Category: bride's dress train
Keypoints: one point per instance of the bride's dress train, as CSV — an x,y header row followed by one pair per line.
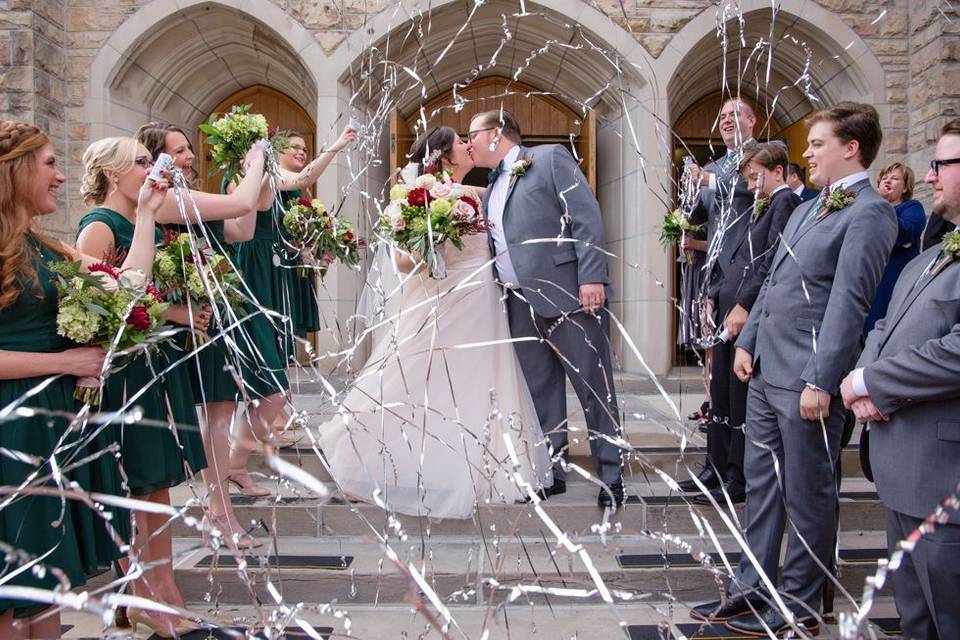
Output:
x,y
430,420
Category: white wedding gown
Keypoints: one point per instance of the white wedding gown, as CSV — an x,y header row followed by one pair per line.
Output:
x,y
426,424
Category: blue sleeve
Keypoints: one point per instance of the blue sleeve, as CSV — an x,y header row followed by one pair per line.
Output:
x,y
911,220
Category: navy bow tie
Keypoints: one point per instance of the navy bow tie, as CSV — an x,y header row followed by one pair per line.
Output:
x,y
495,173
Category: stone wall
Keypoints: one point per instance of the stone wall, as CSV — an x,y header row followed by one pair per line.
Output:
x,y
48,46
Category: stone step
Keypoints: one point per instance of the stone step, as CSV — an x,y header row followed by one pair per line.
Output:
x,y
651,508
565,618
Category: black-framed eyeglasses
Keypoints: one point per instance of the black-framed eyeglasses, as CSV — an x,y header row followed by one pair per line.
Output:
x,y
936,164
473,134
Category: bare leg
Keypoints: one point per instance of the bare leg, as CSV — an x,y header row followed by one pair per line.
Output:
x,y
13,628
218,422
258,430
44,626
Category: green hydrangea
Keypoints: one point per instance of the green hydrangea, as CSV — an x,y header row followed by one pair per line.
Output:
x,y
164,266
77,324
195,282
440,207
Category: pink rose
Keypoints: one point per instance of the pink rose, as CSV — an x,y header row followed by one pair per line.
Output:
x,y
440,190
462,210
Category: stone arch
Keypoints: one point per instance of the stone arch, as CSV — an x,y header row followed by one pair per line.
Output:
x,y
146,70
855,73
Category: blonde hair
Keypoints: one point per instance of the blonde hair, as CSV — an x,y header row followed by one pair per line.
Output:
x,y
19,145
909,180
110,154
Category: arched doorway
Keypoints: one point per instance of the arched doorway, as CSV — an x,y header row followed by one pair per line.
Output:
x,y
278,108
543,119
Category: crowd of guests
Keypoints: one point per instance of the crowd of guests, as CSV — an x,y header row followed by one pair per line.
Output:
x,y
173,417
826,307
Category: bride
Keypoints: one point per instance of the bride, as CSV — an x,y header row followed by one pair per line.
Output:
x,y
440,419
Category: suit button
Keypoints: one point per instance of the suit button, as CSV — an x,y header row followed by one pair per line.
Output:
x,y
766,314
773,283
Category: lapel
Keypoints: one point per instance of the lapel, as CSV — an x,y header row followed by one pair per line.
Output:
x,y
514,180
908,300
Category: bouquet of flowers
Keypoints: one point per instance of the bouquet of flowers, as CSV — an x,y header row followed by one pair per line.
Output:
x,y
106,308
675,224
232,135
320,236
181,274
422,217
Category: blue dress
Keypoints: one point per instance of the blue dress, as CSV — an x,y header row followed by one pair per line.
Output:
x,y
910,222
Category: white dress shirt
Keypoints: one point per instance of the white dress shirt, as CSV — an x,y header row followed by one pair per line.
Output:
x,y
495,204
712,179
799,190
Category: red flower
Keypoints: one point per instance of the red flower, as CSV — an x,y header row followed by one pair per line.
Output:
x,y
169,235
361,243
348,236
272,131
304,202
470,201
139,319
152,290
103,268
417,197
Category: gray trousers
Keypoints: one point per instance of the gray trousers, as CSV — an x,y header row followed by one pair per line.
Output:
x,y
805,504
576,347
926,585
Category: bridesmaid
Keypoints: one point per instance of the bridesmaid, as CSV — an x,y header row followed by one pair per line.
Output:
x,y
215,388
259,261
164,448
33,355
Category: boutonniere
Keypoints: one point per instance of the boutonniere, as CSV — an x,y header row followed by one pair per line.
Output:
x,y
836,199
760,206
950,248
519,168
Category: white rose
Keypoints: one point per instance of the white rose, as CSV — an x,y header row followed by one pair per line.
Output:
x,y
457,191
425,181
106,281
440,190
133,278
395,215
462,211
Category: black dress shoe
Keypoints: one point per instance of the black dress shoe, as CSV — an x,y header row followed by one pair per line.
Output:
x,y
558,487
607,498
769,618
736,491
720,611
707,476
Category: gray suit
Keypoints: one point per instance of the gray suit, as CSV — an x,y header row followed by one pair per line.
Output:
x,y
912,372
805,328
553,200
726,210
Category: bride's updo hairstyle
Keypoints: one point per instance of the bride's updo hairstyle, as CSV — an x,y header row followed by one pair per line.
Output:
x,y
110,154
434,149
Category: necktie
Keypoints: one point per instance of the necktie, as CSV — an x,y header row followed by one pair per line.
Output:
x,y
821,200
495,173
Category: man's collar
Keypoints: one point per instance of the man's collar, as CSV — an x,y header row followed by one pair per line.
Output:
x,y
779,189
743,144
511,157
851,179
799,190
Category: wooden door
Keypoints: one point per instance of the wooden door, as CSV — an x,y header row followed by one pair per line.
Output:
x,y
587,148
279,110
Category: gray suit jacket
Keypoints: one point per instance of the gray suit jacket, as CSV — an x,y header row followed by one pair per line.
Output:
x,y
553,200
912,371
823,279
723,209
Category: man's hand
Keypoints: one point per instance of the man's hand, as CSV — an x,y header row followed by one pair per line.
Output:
x,y
866,411
814,404
846,390
743,365
689,243
735,321
592,297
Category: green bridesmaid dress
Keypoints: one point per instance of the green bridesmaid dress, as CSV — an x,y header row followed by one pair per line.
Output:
x,y
305,312
263,365
154,456
70,535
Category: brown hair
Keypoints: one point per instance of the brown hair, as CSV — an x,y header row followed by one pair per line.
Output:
x,y
153,136
854,121
951,128
768,155
504,120
19,144
438,143
909,180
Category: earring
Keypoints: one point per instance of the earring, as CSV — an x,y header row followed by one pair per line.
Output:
x,y
493,144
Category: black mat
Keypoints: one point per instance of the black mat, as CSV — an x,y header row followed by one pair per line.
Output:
x,y
236,633
678,498
329,563
246,501
706,631
682,560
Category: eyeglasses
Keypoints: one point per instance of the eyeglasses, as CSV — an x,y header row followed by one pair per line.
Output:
x,y
936,164
296,147
473,134
146,163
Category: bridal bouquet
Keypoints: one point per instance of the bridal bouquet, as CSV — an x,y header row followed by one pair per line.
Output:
x,y
204,277
675,225
422,217
232,135
319,236
104,308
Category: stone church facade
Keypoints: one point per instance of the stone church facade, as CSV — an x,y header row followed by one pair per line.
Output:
x,y
85,69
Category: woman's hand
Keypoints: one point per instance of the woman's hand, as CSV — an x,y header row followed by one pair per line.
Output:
x,y
83,362
152,194
348,136
254,154
181,314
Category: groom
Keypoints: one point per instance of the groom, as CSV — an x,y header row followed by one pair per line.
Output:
x,y
548,241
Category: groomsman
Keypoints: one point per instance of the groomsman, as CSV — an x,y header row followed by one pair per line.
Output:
x,y
724,204
762,166
907,385
797,180
802,337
